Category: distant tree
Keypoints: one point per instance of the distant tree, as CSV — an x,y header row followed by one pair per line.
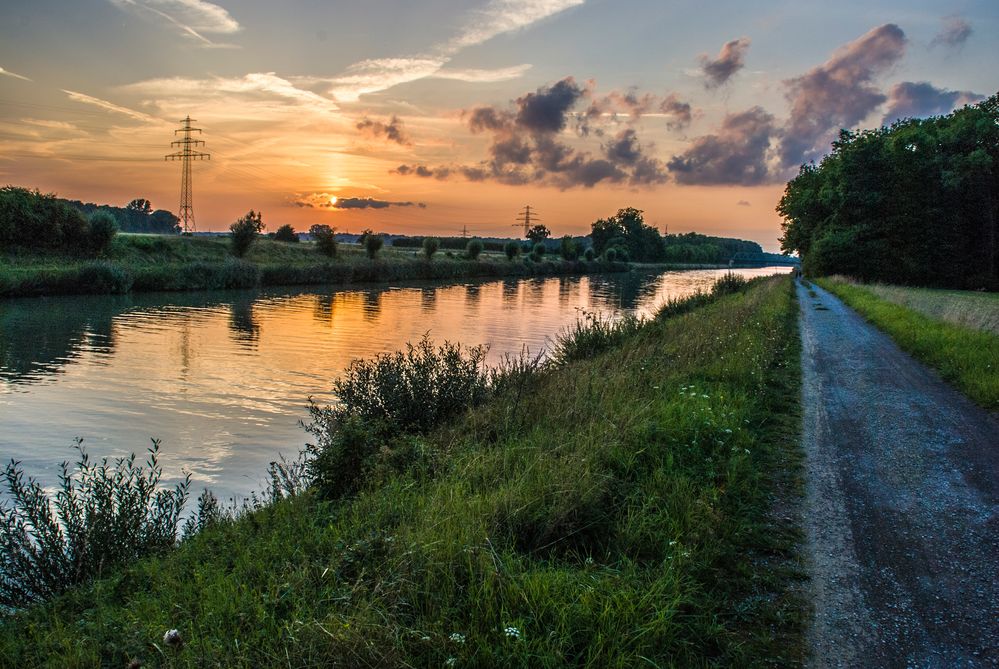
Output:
x,y
512,250
373,244
627,231
325,238
474,248
610,254
285,233
539,251
538,233
164,222
363,239
103,227
589,254
245,232
140,206
430,246
568,248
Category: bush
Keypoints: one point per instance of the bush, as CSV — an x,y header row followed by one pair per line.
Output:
x,y
373,244
325,237
430,246
286,233
591,335
610,255
245,232
568,248
729,283
103,516
385,397
512,250
589,254
474,248
102,277
538,252
102,227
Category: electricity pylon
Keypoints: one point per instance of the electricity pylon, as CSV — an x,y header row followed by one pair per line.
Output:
x,y
186,154
526,217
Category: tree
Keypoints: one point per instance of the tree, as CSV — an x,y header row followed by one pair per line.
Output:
x,y
373,244
538,233
285,233
474,248
140,206
568,248
627,231
430,246
362,240
103,227
539,251
325,238
512,250
245,231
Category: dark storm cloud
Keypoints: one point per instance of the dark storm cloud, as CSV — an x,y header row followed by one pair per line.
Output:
x,y
954,33
920,99
526,148
717,71
544,111
735,155
371,203
393,131
679,112
838,94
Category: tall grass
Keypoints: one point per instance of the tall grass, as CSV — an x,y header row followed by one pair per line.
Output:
x,y
615,511
966,357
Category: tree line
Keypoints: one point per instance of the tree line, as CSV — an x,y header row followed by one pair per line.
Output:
x,y
912,203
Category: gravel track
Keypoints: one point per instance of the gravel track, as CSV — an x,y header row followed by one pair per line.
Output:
x,y
902,503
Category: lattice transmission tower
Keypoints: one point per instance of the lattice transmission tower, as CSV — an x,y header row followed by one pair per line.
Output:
x,y
526,217
188,152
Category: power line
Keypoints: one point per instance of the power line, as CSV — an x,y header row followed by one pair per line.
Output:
x,y
186,154
526,217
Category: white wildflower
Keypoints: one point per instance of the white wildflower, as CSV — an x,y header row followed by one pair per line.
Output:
x,y
457,638
512,632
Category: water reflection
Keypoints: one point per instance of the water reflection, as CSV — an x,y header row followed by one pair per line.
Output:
x,y
222,377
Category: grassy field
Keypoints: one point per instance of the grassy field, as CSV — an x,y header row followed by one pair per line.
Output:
x,y
971,309
634,508
947,330
157,262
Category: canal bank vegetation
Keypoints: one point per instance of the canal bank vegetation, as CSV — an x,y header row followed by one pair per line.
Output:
x,y
630,505
158,262
937,328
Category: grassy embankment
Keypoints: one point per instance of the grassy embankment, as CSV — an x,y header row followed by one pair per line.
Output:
x,y
634,508
953,332
154,262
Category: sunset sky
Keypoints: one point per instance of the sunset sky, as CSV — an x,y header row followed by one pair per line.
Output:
x,y
422,117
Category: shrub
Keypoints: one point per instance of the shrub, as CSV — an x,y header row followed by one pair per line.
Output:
x,y
512,250
244,232
103,277
591,335
568,248
610,255
729,283
325,237
474,248
286,233
103,516
373,244
589,254
430,246
539,251
102,227
236,273
385,397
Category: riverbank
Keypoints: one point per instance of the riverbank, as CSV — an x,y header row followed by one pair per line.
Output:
x,y
636,505
965,356
176,263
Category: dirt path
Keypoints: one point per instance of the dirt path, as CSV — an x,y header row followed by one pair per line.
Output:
x,y
902,503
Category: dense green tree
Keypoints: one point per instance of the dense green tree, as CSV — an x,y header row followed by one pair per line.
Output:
x,y
373,244
511,249
325,238
474,248
430,246
245,231
915,202
628,232
286,233
538,234
568,248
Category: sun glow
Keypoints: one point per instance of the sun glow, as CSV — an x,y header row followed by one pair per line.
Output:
x,y
333,199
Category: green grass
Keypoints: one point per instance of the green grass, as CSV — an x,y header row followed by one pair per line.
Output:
x,y
160,262
632,509
964,356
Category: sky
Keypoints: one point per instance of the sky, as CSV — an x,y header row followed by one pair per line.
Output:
x,y
431,117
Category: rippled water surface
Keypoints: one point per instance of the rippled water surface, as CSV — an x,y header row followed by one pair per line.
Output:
x,y
222,378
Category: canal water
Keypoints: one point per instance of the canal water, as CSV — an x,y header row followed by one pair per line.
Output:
x,y
222,378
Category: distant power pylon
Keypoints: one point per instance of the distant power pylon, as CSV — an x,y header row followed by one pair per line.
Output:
x,y
526,218
186,154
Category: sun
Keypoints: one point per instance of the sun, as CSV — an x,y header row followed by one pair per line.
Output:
x,y
332,200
